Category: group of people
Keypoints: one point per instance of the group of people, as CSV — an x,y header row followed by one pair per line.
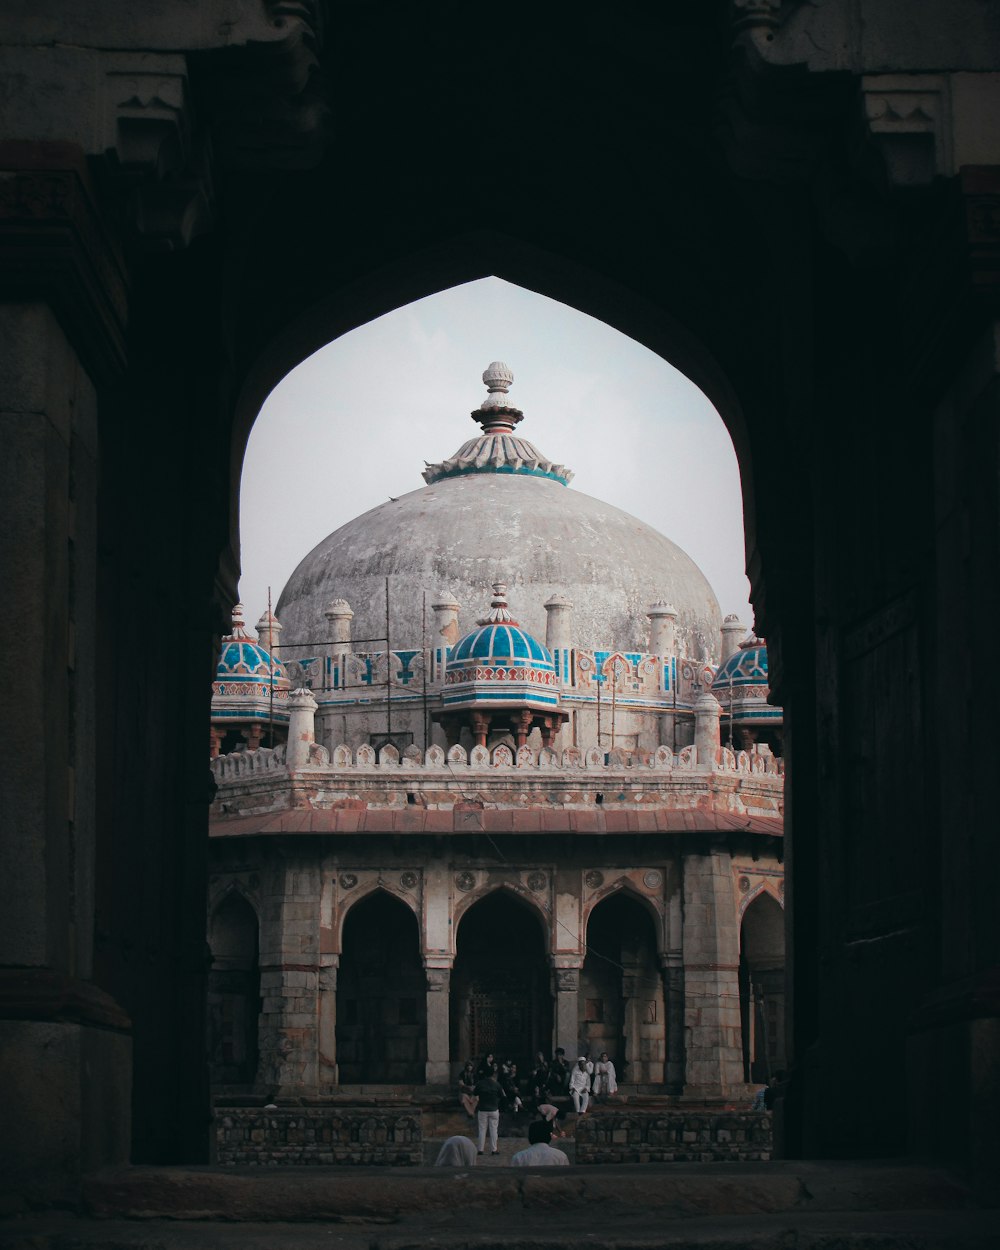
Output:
x,y
550,1079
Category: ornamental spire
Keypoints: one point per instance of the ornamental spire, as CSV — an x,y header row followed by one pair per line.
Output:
x,y
498,449
499,613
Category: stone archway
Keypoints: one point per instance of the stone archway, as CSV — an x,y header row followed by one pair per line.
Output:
x,y
621,991
381,995
501,1001
762,988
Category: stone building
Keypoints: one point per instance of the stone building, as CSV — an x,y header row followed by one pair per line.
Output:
x,y
795,204
478,841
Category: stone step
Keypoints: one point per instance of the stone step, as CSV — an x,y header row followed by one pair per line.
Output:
x,y
661,1191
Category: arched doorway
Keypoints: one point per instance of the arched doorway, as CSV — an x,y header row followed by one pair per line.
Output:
x,y
501,997
762,988
621,991
233,992
381,995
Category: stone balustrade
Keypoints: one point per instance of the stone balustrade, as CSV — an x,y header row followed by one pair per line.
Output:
x,y
389,761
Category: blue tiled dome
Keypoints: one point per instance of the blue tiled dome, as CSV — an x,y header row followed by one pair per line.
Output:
x,y
500,664
745,667
245,672
506,644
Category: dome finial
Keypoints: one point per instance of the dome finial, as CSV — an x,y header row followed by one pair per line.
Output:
x,y
499,613
497,378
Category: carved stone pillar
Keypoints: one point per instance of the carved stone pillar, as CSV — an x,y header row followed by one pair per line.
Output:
x,y
672,965
566,988
328,1073
438,1067
714,1058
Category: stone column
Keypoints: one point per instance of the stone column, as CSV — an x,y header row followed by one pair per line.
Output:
x,y
566,990
301,727
289,1033
65,1043
328,1074
438,1068
706,728
672,965
714,1056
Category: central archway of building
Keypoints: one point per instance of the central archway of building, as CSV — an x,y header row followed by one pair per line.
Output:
x,y
621,992
381,996
501,988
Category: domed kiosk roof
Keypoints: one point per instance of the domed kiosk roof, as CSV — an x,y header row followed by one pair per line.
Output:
x,y
499,509
500,664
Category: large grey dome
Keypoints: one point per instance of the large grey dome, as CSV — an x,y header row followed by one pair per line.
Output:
x,y
495,512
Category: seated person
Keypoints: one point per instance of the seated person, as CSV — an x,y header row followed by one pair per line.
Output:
x,y
559,1073
579,1086
605,1078
539,1154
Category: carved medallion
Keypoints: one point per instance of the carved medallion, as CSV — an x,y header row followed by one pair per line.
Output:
x,y
348,880
594,879
537,881
744,884
653,879
465,881
408,880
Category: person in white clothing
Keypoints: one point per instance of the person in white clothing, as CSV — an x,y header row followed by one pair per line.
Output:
x,y
539,1154
605,1080
579,1086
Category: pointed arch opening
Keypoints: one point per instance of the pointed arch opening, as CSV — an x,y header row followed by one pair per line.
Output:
x,y
762,988
381,995
622,1008
501,999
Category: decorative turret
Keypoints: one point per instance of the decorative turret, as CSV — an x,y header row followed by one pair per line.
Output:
x,y
706,728
269,632
733,630
498,449
500,675
339,616
445,609
662,631
249,694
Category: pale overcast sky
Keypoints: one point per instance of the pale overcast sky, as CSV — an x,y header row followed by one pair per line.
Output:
x,y
353,425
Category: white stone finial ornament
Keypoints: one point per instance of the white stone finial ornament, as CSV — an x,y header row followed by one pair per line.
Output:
x,y
239,629
498,613
497,378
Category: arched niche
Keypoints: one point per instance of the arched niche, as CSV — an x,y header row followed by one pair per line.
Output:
x,y
762,987
501,998
381,995
622,1009
233,991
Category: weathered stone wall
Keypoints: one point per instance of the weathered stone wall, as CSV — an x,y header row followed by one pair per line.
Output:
x,y
673,1137
316,1135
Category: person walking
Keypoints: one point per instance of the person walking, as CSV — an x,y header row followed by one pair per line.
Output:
x,y
487,1090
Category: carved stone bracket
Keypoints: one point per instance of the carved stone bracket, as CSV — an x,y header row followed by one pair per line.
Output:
x,y
909,117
